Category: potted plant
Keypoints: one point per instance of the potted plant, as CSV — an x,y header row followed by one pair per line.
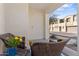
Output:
x,y
12,43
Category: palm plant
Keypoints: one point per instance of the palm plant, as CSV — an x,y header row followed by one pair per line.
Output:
x,y
53,19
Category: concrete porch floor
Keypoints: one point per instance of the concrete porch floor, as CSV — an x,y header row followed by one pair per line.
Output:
x,y
73,47
69,52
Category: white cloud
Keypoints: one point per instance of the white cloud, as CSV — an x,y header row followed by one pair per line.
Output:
x,y
60,9
65,5
63,9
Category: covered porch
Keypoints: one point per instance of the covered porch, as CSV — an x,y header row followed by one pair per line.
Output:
x,y
30,20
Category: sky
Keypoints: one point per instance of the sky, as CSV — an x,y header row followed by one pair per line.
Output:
x,y
65,10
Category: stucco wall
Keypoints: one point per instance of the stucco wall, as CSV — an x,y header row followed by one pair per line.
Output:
x,y
2,22
2,25
16,18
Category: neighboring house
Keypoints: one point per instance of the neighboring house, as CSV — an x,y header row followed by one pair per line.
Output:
x,y
67,24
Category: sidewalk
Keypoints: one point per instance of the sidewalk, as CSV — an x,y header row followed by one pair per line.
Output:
x,y
64,34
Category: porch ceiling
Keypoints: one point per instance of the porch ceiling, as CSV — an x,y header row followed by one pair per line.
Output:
x,y
47,7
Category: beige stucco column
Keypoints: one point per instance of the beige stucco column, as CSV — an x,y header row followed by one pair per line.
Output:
x,y
78,31
46,26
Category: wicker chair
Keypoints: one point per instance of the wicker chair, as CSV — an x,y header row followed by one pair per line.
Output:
x,y
47,49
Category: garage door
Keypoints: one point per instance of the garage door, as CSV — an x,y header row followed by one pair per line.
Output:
x,y
72,29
